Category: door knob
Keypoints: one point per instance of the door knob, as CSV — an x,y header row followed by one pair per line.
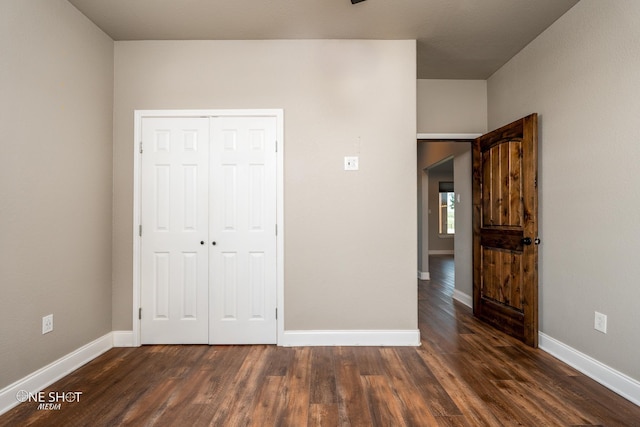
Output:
x,y
526,241
202,242
213,243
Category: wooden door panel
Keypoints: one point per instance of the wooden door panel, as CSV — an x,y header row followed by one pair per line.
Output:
x,y
502,277
502,198
505,212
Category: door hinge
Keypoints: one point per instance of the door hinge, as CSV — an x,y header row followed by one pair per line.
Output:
x,y
276,229
140,230
276,146
140,147
140,313
276,313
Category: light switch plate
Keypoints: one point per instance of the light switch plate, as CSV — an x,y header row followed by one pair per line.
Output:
x,y
351,163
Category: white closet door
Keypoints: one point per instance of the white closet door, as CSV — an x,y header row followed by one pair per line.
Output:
x,y
174,247
242,213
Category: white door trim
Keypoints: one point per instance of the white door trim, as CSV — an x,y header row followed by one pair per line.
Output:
x,y
138,116
448,135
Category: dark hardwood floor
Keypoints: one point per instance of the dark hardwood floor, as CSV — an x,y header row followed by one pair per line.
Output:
x,y
464,374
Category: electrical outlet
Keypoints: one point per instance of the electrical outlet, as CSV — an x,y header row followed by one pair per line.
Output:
x,y
47,324
600,322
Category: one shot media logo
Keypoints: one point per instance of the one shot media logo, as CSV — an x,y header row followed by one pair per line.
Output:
x,y
52,400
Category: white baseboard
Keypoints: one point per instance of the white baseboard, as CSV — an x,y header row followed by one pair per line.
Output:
x,y
424,275
441,252
401,338
123,339
463,298
51,373
618,382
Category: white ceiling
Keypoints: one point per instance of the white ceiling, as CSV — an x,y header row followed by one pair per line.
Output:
x,y
457,39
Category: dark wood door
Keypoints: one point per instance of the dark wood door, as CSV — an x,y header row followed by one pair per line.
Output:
x,y
505,229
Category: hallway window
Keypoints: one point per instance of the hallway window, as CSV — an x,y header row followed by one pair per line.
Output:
x,y
447,206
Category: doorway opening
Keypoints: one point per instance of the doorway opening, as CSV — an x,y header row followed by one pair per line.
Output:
x,y
444,163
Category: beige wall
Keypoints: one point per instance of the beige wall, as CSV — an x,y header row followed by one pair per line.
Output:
x,y
350,237
582,77
463,241
56,81
452,106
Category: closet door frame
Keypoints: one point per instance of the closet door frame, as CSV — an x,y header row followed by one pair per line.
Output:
x,y
278,114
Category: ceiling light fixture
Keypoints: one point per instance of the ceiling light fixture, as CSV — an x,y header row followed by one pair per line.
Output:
x,y
356,1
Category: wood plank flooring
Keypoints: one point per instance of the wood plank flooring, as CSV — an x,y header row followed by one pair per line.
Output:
x,y
464,374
